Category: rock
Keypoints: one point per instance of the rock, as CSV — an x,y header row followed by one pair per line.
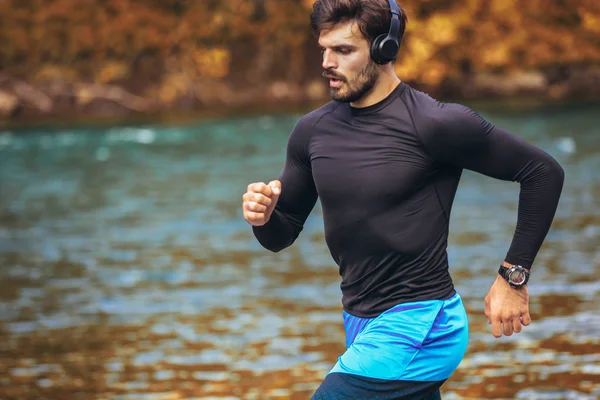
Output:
x,y
510,85
316,89
279,90
558,90
88,93
8,104
527,82
33,96
284,91
583,80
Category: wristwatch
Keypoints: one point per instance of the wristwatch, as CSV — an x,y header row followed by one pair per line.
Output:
x,y
516,276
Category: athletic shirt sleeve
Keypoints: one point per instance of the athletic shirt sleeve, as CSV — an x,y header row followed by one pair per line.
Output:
x,y
298,193
461,137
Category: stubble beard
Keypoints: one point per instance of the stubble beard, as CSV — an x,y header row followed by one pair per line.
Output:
x,y
354,90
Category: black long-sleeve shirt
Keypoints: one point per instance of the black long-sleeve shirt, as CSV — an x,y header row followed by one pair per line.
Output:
x,y
386,176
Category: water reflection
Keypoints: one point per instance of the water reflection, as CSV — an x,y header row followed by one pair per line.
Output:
x,y
127,271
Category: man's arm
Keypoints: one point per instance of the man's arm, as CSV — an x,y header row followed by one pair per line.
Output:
x,y
298,194
463,138
466,140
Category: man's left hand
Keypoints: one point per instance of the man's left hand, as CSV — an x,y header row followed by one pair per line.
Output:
x,y
507,308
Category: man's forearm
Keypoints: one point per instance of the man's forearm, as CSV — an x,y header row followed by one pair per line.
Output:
x,y
541,185
277,234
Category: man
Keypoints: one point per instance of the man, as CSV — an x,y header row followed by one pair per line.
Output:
x,y
385,161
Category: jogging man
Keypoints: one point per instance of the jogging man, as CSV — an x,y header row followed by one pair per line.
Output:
x,y
385,161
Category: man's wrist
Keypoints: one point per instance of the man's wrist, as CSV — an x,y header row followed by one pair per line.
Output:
x,y
516,276
506,264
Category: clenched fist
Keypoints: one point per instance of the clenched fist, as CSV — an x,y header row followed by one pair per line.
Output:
x,y
259,202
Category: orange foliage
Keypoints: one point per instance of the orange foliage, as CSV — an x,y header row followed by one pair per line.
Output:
x,y
497,35
444,38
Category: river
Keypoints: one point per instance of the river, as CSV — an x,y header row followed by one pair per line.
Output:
x,y
128,272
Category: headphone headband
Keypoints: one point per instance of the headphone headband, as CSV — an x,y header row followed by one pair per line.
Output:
x,y
385,47
395,20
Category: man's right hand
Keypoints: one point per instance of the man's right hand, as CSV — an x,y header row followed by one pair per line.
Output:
x,y
259,202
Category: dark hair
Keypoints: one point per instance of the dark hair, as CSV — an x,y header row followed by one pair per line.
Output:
x,y
372,16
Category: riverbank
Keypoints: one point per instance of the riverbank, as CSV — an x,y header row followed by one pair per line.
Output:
x,y
54,98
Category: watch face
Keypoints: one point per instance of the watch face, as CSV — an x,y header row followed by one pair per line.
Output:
x,y
517,277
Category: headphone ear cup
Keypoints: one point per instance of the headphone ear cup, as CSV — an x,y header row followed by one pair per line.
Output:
x,y
389,49
376,54
384,49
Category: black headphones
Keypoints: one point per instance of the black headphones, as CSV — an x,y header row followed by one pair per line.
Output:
x,y
385,47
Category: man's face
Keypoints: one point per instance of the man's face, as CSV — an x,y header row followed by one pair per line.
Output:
x,y
347,62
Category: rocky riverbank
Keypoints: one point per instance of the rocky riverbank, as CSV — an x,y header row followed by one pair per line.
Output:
x,y
57,97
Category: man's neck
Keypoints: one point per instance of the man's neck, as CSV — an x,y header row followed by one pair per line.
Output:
x,y
385,85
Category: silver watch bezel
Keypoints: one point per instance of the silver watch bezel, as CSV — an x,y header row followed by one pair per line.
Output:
x,y
510,271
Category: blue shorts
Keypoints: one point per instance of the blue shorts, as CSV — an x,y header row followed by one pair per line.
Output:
x,y
413,346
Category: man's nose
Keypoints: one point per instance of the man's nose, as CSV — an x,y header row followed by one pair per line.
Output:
x,y
329,60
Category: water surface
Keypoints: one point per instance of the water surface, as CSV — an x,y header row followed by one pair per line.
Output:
x,y
127,271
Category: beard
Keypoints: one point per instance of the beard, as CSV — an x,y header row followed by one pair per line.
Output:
x,y
351,91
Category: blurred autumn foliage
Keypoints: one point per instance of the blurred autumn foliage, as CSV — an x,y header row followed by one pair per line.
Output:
x,y
191,52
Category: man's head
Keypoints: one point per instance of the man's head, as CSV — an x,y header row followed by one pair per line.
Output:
x,y
346,30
